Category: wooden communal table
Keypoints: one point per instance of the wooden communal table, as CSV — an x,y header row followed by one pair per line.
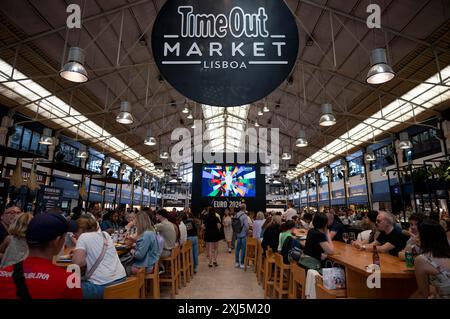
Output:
x,y
397,281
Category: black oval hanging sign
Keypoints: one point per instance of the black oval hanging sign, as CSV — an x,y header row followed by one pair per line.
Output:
x,y
225,52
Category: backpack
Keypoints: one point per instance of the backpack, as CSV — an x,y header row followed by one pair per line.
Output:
x,y
237,224
290,251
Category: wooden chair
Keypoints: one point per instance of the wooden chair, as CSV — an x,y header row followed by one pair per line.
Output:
x,y
297,282
171,273
190,257
179,259
259,263
269,264
184,267
132,288
323,293
250,253
152,283
282,274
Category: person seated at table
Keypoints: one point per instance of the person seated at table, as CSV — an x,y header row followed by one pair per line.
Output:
x,y
288,231
335,226
110,222
257,225
318,241
14,247
306,221
130,227
167,231
45,238
432,267
146,253
271,235
6,220
369,221
390,240
95,250
413,243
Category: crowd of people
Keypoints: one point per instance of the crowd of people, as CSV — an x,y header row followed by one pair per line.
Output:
x,y
29,244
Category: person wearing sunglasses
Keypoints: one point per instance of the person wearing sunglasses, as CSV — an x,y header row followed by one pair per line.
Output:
x,y
390,240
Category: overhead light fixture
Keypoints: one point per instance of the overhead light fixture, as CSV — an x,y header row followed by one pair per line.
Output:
x,y
380,72
266,109
149,140
260,112
74,70
190,116
286,156
370,157
186,108
301,140
256,123
82,152
125,116
193,125
164,155
405,143
46,138
327,118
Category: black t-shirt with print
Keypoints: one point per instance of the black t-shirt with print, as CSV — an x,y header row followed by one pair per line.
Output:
x,y
395,238
312,245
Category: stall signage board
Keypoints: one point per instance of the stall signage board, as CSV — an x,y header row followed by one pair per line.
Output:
x,y
52,197
225,53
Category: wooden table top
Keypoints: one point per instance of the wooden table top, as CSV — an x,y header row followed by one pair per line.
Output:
x,y
349,256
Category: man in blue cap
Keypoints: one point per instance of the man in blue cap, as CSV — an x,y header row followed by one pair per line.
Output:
x,y
37,277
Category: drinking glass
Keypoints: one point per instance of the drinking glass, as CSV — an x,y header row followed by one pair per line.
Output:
x,y
351,236
345,237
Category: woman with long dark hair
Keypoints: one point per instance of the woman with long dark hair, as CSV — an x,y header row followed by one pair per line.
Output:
x,y
432,267
212,235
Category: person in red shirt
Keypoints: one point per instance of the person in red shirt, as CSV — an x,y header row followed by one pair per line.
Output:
x,y
37,277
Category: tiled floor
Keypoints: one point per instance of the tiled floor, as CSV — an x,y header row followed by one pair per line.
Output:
x,y
223,282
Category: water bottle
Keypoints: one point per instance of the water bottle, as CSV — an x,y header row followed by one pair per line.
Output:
x,y
409,259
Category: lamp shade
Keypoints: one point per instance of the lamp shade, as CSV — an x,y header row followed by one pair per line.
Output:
x,y
286,156
260,112
190,116
82,152
380,72
301,140
266,109
370,157
405,143
46,138
164,155
327,118
149,140
125,116
74,70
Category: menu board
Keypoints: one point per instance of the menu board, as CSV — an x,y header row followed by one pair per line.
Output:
x,y
52,197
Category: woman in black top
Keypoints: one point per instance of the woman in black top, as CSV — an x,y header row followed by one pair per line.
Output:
x,y
271,235
212,235
318,242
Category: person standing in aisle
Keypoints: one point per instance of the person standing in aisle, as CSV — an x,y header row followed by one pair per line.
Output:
x,y
227,229
212,235
290,212
240,227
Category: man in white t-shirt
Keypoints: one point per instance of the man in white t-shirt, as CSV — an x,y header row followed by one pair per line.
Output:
x,y
290,212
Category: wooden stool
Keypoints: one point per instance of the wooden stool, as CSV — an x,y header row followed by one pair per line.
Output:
x,y
132,288
269,264
171,271
281,277
250,252
259,263
297,282
323,293
190,258
152,283
184,267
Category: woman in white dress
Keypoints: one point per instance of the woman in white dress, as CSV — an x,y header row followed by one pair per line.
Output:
x,y
227,228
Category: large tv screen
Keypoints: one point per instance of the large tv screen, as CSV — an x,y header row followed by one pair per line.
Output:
x,y
229,181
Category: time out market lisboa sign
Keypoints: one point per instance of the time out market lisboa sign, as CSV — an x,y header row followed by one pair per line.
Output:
x,y
225,52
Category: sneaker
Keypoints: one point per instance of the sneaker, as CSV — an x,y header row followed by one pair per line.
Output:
x,y
242,266
229,250
236,265
216,265
195,270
